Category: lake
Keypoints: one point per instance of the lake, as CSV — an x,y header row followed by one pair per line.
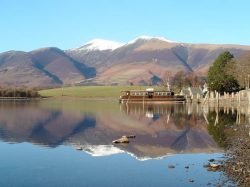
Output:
x,y
38,142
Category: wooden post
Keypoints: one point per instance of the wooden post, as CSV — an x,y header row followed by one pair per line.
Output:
x,y
62,90
248,81
248,97
239,99
217,117
14,92
127,109
217,99
245,83
143,100
205,99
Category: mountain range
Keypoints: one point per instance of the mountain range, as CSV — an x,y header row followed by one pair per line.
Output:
x,y
103,62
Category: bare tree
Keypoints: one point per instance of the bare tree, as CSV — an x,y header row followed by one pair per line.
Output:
x,y
166,78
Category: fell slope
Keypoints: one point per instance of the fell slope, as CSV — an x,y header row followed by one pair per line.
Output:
x,y
144,60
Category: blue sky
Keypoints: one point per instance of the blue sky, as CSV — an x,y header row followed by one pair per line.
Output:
x,y
30,24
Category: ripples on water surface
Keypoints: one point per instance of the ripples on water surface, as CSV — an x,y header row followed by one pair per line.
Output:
x,y
44,135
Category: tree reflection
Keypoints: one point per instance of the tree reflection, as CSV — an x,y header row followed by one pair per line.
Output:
x,y
218,126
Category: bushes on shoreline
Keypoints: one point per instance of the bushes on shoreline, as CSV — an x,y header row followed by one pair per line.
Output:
x,y
18,92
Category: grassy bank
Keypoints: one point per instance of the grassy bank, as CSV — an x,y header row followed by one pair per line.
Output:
x,y
89,91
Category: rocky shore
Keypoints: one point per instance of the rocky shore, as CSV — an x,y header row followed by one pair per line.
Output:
x,y
237,164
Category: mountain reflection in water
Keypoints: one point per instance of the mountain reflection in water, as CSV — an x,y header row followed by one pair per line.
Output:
x,y
160,129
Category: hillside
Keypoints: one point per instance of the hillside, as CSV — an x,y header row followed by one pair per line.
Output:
x,y
41,68
144,58
100,62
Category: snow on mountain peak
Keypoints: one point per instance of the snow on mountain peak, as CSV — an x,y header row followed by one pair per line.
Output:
x,y
100,44
107,150
144,37
101,150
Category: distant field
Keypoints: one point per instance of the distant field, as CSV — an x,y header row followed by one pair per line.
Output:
x,y
89,91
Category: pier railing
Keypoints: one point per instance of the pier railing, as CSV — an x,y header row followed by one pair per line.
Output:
x,y
241,98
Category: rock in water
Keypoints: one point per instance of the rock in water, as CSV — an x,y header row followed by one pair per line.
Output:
x,y
215,166
212,167
123,139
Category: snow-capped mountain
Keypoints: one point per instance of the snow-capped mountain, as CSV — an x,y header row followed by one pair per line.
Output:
x,y
146,38
140,61
101,45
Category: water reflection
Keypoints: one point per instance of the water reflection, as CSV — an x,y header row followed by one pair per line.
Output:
x,y
220,121
177,128
160,129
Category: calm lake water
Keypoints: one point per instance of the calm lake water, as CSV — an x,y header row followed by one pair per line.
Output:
x,y
38,142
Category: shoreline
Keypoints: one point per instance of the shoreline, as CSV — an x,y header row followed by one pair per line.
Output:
x,y
19,98
82,98
237,162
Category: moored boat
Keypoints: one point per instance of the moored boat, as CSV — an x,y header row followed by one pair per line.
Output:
x,y
150,95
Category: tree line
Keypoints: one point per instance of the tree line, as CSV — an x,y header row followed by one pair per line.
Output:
x,y
18,92
182,79
226,74
229,74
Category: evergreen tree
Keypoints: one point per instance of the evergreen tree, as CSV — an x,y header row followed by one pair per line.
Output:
x,y
218,78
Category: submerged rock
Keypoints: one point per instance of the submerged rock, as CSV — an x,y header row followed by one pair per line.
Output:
x,y
206,165
211,160
171,166
191,180
79,148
